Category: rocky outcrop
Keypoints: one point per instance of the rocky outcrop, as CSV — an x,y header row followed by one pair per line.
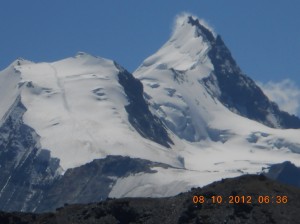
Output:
x,y
182,209
27,170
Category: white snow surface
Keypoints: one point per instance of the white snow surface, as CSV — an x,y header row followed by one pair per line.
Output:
x,y
223,144
76,106
172,79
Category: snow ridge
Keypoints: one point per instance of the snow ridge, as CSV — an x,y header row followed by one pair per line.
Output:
x,y
78,107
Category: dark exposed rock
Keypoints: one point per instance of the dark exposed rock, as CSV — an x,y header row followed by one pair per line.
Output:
x,y
180,208
93,181
30,178
148,125
26,169
238,92
286,173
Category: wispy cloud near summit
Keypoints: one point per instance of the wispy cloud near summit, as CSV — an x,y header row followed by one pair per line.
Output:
x,y
285,93
181,19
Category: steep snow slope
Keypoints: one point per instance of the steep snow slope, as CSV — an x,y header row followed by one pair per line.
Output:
x,y
77,107
173,79
194,76
182,86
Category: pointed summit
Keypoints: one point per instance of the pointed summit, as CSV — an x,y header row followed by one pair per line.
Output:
x,y
198,27
21,61
82,54
193,77
187,47
175,71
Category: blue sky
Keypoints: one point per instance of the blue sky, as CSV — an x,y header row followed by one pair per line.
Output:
x,y
263,35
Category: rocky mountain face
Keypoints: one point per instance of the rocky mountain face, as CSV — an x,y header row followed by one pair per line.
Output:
x,y
27,170
285,172
32,180
140,117
92,182
237,91
194,55
82,129
270,203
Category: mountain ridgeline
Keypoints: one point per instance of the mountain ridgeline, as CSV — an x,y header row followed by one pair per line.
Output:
x,y
27,170
84,129
181,209
239,92
139,115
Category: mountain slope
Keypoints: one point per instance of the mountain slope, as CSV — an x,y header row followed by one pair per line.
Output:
x,y
241,94
193,73
140,116
63,115
27,169
181,209
77,106
286,173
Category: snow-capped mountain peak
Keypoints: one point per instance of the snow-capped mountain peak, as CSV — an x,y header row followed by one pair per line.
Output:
x,y
198,59
21,61
192,27
77,105
173,79
189,117
186,48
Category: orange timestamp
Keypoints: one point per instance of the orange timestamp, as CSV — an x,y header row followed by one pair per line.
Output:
x,y
240,199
